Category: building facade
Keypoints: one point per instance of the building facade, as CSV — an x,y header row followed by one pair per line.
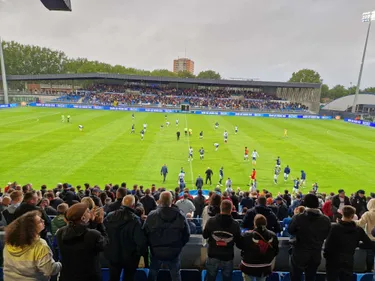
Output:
x,y
183,64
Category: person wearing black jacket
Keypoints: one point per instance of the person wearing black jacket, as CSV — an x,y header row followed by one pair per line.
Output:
x,y
338,202
199,203
120,194
209,174
359,203
148,202
29,204
272,222
310,229
80,247
247,201
222,232
344,238
259,249
199,182
235,200
95,197
127,241
167,232
282,209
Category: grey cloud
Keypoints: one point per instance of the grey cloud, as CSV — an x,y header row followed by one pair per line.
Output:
x,y
243,38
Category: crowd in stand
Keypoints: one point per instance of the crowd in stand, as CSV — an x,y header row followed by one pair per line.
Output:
x,y
153,225
215,98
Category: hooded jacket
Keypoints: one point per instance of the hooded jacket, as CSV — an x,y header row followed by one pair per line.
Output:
x,y
149,203
57,223
341,243
272,222
80,248
222,232
310,228
167,232
127,240
368,219
8,214
259,248
32,263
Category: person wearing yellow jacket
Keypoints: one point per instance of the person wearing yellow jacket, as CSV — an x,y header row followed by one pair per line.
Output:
x,y
27,257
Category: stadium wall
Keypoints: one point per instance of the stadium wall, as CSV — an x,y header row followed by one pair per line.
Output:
x,y
161,110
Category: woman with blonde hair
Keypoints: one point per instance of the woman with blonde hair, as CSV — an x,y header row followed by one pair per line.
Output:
x,y
27,257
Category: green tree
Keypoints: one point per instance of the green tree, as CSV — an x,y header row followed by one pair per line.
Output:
x,y
163,73
209,74
185,74
369,90
325,91
351,90
306,76
337,92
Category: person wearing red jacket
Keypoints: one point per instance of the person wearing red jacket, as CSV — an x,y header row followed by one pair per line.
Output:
x,y
327,209
253,176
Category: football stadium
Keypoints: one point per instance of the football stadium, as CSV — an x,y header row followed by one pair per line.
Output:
x,y
114,173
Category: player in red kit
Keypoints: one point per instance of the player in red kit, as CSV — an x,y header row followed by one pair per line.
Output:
x,y
253,175
246,155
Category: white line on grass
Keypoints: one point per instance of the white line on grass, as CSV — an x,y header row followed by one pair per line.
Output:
x,y
191,164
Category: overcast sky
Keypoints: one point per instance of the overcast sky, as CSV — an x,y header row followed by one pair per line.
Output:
x,y
263,39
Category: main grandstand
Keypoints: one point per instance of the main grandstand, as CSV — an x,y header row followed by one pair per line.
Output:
x,y
116,89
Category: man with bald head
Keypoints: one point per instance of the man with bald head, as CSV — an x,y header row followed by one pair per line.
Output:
x,y
167,232
127,241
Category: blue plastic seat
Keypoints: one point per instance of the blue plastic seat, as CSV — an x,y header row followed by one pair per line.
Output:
x,y
365,276
236,275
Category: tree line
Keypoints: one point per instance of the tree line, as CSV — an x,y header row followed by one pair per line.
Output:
x,y
29,59
338,91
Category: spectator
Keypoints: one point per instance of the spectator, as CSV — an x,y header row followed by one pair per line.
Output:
x,y
367,221
167,233
327,208
212,209
96,214
259,249
296,202
29,204
247,201
102,197
8,214
287,198
340,246
81,246
199,182
192,226
272,222
288,220
109,193
338,202
120,194
310,228
359,203
127,241
148,202
282,209
44,205
221,232
107,203
59,221
199,203
235,200
53,201
5,203
95,197
185,205
26,255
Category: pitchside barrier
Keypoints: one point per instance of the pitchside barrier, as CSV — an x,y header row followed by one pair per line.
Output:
x,y
162,110
360,122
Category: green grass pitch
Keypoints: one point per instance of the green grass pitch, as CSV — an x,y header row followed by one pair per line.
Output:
x,y
36,147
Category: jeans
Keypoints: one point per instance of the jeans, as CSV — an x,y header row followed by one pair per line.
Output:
x,y
173,266
253,278
213,266
130,268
